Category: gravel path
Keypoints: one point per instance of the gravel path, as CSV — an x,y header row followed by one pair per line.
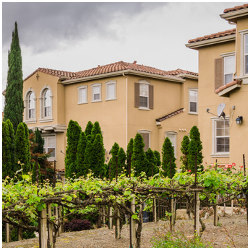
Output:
x,y
233,232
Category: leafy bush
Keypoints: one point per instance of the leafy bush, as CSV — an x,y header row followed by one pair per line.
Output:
x,y
77,225
178,240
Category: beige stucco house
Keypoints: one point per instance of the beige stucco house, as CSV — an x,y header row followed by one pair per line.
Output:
x,y
126,98
223,87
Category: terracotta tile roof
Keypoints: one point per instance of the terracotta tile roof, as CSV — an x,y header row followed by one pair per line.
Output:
x,y
120,66
179,72
244,6
227,85
176,112
54,72
113,67
214,35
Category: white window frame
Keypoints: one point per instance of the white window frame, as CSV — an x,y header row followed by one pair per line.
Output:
x,y
245,54
27,98
145,83
143,131
100,87
225,56
45,146
167,133
42,117
84,87
214,146
110,83
189,101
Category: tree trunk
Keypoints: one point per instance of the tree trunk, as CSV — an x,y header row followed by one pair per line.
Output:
x,y
197,214
7,232
133,228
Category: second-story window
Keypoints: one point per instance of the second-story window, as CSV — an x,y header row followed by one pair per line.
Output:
x,y
31,109
110,90
47,103
245,54
193,100
229,68
96,92
82,95
144,95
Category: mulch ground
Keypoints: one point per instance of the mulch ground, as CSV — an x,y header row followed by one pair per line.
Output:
x,y
232,232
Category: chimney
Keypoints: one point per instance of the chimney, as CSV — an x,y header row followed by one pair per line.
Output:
x,y
134,62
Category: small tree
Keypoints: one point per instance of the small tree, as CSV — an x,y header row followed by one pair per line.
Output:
x,y
168,159
14,107
8,150
22,148
80,155
129,157
157,156
98,157
139,163
195,150
113,163
88,128
184,149
89,154
121,160
152,168
73,134
96,130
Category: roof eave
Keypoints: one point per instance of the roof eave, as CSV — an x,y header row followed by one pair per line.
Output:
x,y
212,41
189,76
232,16
131,72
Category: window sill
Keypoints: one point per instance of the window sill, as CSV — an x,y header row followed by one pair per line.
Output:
x,y
220,155
30,121
46,120
97,101
111,99
79,103
142,108
193,113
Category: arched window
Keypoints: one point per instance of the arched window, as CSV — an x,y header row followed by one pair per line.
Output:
x,y
46,103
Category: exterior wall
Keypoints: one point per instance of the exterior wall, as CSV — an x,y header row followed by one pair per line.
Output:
x,y
167,98
110,114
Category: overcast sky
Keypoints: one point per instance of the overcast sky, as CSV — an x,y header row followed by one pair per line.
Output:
x,y
78,36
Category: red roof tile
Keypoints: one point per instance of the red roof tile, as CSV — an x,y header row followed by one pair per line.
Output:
x,y
235,8
176,112
214,35
227,85
113,67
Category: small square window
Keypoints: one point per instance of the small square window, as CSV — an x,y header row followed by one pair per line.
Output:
x,y
82,95
193,100
229,68
96,93
144,95
110,90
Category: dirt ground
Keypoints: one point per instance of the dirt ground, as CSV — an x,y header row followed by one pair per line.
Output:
x,y
232,232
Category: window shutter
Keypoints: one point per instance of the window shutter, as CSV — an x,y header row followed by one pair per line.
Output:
x,y
137,92
151,96
219,72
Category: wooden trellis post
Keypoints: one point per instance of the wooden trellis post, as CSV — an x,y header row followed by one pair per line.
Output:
x,y
154,210
197,214
104,215
172,213
20,234
43,229
7,228
60,218
133,228
50,228
110,217
117,224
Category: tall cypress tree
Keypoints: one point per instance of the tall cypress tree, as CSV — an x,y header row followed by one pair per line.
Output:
x,y
152,167
98,157
88,128
14,107
73,134
113,162
129,156
195,150
184,149
157,156
168,159
39,141
88,157
121,160
80,155
96,130
22,148
139,163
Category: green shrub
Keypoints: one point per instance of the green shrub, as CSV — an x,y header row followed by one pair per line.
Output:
x,y
179,240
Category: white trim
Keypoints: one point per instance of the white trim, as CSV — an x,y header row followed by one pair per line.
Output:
x,y
192,112
26,106
232,15
144,82
126,122
231,54
78,90
242,55
46,141
214,153
100,87
42,118
112,82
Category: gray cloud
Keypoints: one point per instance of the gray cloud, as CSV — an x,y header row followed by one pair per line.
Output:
x,y
42,26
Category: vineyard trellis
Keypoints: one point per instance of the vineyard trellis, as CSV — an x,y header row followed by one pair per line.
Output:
x,y
42,208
